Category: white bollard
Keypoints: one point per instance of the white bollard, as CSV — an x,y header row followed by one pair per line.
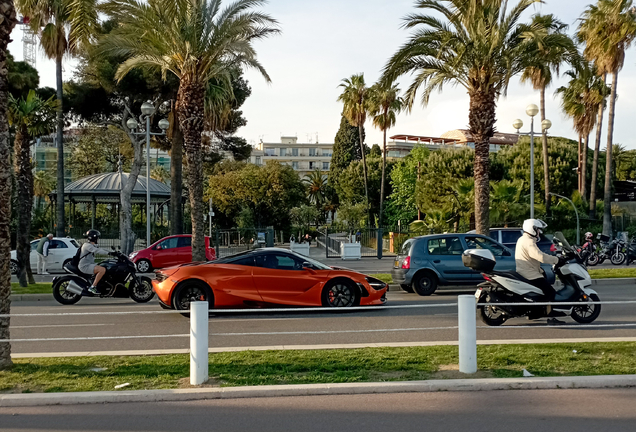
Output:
x,y
198,342
467,316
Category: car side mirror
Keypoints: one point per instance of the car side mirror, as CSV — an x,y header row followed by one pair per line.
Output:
x,y
307,266
158,247
507,253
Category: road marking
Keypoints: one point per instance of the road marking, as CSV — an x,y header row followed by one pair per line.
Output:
x,y
60,325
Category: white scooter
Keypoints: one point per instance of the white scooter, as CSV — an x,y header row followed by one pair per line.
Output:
x,y
510,287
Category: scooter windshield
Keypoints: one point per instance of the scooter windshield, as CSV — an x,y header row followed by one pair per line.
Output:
x,y
561,239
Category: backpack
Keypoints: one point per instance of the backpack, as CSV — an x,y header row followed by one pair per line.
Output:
x,y
78,257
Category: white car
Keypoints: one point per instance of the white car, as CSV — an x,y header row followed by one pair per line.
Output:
x,y
61,251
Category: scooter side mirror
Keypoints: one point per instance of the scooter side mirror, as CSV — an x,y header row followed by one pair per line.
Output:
x,y
113,248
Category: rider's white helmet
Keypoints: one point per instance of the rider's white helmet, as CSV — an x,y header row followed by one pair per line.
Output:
x,y
534,227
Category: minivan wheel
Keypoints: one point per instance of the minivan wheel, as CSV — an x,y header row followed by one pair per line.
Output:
x,y
425,284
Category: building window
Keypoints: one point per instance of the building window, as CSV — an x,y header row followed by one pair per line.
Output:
x,y
270,151
258,160
283,152
325,165
312,165
294,152
312,152
295,165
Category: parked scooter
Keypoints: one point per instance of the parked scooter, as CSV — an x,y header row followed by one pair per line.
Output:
x,y
510,287
121,281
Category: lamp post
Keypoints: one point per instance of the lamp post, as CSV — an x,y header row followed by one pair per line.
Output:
x,y
147,110
532,110
578,229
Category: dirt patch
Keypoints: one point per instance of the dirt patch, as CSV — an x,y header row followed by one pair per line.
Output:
x,y
452,372
212,382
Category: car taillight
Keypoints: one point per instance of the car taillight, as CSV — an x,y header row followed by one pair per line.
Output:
x,y
552,248
406,264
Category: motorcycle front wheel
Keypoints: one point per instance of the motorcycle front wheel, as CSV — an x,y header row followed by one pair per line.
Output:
x,y
618,258
592,260
141,292
587,314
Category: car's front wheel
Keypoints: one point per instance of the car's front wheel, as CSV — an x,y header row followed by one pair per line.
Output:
x,y
339,293
15,267
425,284
144,266
190,291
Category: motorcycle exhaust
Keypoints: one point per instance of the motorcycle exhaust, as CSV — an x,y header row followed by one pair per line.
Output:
x,y
74,288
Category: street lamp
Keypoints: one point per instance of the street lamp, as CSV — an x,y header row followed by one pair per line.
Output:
x,y
576,212
147,110
532,110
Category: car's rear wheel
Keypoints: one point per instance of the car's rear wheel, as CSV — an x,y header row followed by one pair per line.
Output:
x,y
143,266
190,291
407,287
15,267
339,293
425,283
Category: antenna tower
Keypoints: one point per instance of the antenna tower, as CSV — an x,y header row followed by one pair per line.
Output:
x,y
29,41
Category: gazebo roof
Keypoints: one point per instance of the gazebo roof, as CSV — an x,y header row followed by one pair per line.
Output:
x,y
105,188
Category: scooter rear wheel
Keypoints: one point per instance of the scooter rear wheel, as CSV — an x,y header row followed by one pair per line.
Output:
x,y
62,295
491,315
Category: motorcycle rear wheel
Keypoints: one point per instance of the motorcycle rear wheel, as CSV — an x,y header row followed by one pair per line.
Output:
x,y
587,314
62,295
491,315
593,260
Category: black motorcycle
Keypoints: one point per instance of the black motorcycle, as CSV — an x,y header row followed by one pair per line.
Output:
x,y
120,281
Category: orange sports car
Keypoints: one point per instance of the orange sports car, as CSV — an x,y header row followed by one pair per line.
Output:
x,y
265,277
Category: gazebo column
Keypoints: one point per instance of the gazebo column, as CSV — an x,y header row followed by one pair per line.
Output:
x,y
93,212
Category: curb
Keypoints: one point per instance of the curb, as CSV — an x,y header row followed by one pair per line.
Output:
x,y
30,297
69,398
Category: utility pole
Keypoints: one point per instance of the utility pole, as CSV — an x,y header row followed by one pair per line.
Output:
x,y
419,212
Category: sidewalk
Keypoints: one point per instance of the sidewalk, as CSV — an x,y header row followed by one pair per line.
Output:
x,y
205,393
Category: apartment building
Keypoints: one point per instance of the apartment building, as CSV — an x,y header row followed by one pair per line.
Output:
x,y
401,145
302,157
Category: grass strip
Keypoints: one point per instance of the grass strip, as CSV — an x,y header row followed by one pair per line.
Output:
x,y
611,273
38,288
316,366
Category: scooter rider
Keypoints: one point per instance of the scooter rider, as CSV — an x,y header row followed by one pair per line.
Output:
x,y
529,258
87,261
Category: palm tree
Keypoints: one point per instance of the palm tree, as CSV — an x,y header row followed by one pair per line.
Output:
x,y
553,47
581,98
316,182
355,100
64,27
608,30
43,185
30,116
7,22
197,41
478,45
384,104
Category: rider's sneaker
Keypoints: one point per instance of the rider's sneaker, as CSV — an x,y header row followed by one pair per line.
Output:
x,y
554,321
93,290
556,313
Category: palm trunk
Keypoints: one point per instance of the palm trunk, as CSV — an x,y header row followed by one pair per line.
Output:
x,y
481,119
7,22
23,172
584,169
579,162
383,178
597,146
607,198
61,223
176,182
546,161
364,170
190,109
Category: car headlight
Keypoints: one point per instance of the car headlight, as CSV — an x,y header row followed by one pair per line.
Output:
x,y
374,283
132,255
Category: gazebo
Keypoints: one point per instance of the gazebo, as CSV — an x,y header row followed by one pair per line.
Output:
x,y
105,189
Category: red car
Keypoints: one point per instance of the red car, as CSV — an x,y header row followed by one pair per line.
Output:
x,y
169,251
265,277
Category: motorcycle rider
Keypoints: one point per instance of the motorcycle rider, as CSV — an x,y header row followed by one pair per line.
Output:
x,y
528,258
87,261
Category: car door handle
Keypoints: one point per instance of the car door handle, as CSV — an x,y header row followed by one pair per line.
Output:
x,y
437,261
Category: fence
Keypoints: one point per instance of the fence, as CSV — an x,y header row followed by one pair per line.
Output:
x,y
110,238
374,242
232,241
199,331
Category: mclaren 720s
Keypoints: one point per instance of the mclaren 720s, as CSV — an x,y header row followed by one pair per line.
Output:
x,y
263,277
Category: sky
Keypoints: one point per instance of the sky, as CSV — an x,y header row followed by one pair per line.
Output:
x,y
324,42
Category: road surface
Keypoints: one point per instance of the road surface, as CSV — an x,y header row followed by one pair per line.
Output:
x,y
515,410
250,329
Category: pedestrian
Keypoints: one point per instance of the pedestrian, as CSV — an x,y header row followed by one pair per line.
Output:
x,y
43,253
308,239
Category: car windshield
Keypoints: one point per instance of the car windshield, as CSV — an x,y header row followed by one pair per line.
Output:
x,y
231,258
316,264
